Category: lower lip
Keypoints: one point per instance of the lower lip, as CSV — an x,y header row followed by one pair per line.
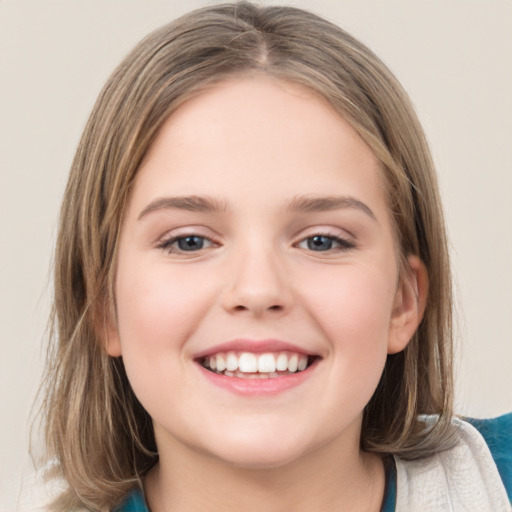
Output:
x,y
258,387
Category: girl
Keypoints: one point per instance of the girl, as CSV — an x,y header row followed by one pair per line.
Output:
x,y
252,286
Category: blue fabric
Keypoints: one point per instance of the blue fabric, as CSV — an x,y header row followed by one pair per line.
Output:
x,y
388,505
134,502
497,433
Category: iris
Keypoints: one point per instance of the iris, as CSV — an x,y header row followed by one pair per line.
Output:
x,y
320,243
190,243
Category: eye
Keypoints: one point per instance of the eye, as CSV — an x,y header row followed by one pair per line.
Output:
x,y
324,243
188,243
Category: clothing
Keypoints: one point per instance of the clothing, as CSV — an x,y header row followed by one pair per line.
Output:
x,y
463,478
475,475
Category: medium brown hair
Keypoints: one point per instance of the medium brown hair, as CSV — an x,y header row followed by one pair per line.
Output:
x,y
98,434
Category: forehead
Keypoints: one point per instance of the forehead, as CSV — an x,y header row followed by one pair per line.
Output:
x,y
259,137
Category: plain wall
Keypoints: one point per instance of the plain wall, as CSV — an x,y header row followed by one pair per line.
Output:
x,y
454,58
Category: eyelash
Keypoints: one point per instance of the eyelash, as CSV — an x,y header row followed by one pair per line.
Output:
x,y
168,243
342,243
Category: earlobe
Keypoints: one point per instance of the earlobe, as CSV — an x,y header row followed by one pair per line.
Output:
x,y
409,305
112,343
107,332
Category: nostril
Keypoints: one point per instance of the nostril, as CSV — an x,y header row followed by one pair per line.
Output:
x,y
276,307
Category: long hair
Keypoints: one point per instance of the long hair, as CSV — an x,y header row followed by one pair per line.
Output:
x,y
98,434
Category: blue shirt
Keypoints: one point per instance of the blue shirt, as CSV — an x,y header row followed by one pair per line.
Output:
x,y
497,433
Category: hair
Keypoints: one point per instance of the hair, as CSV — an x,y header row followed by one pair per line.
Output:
x,y
97,433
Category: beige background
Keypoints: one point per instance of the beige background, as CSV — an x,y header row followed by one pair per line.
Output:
x,y
453,56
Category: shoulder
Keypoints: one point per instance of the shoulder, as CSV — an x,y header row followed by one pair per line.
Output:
x,y
464,477
134,502
497,433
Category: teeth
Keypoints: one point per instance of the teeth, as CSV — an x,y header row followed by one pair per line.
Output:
x,y
293,363
250,365
303,362
231,362
266,363
282,363
220,362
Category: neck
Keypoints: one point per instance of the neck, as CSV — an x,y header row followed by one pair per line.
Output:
x,y
327,479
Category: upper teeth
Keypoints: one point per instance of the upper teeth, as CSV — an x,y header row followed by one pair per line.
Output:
x,y
248,362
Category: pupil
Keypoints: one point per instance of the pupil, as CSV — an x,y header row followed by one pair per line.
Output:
x,y
190,243
320,243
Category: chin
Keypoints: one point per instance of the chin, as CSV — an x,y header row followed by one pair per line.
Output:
x,y
258,459
261,452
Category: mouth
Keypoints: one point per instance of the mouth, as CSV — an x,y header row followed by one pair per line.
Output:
x,y
257,367
251,365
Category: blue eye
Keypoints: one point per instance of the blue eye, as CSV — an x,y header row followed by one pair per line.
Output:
x,y
189,243
324,243
320,243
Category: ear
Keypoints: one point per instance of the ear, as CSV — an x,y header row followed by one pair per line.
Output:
x,y
105,326
409,305
112,343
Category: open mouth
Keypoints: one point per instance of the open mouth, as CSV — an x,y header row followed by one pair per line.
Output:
x,y
249,365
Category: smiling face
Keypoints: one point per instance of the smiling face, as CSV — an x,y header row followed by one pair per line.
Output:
x,y
257,288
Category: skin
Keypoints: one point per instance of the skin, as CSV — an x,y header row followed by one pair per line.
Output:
x,y
254,146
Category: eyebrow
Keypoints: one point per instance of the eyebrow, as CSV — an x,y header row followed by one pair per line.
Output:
x,y
300,204
306,204
188,203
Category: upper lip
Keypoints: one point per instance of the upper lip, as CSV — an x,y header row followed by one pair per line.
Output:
x,y
255,346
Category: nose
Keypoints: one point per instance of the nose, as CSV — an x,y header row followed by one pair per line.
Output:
x,y
257,284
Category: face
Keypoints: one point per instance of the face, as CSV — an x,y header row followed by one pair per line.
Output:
x,y
257,288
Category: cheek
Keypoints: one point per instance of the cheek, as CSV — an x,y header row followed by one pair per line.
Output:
x,y
156,300
358,321
359,300
353,309
158,308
